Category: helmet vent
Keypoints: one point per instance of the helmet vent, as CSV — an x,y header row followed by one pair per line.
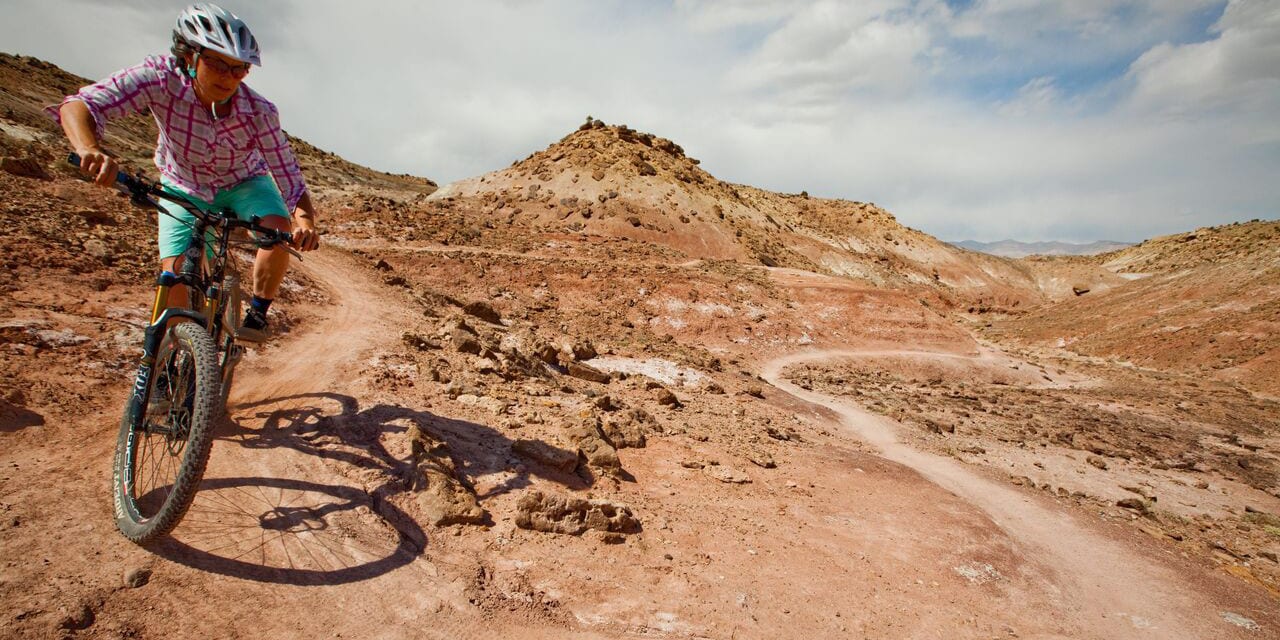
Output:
x,y
225,31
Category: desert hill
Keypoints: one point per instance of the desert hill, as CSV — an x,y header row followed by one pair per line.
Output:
x,y
614,181
1016,249
538,403
27,85
1205,302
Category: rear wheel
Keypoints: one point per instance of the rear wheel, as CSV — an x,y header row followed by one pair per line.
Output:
x,y
158,465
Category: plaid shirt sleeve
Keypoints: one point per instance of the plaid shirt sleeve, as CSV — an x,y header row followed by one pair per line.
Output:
x,y
126,92
279,156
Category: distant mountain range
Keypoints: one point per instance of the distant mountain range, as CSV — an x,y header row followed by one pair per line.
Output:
x,y
1015,249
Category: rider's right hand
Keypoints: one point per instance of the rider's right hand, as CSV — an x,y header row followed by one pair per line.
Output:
x,y
96,164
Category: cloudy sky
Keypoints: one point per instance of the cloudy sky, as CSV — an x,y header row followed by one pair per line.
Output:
x,y
1070,120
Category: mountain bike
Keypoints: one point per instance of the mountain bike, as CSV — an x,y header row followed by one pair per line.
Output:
x,y
188,361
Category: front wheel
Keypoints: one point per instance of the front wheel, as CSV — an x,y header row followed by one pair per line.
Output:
x,y
161,457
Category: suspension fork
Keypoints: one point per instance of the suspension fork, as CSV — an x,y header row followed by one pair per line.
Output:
x,y
161,316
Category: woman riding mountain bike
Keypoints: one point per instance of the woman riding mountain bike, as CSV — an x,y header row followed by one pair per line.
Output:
x,y
220,145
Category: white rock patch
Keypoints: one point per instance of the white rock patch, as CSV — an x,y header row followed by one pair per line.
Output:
x,y
663,371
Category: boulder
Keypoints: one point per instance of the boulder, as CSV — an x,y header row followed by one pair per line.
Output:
x,y
593,448
624,431
666,398
484,311
574,516
24,168
439,496
546,455
1136,504
465,339
586,372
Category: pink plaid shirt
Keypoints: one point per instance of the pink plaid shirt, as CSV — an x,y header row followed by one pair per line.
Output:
x,y
200,155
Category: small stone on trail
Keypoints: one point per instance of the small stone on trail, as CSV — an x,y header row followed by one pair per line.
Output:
x,y
136,577
77,616
761,459
728,475
436,492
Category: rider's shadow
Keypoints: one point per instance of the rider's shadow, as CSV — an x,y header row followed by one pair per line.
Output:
x,y
295,532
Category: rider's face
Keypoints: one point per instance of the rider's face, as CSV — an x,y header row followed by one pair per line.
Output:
x,y
218,75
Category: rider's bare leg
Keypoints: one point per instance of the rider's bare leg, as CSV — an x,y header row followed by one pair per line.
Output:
x,y
271,264
177,293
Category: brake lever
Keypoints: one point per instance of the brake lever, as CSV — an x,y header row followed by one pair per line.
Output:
x,y
280,242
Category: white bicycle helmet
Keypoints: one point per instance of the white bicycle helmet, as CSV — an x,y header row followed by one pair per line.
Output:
x,y
209,26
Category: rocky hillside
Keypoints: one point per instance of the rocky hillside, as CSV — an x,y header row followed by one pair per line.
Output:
x,y
28,84
1207,301
614,181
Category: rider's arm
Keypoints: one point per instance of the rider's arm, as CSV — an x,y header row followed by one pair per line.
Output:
x,y
304,224
77,123
281,161
275,148
84,115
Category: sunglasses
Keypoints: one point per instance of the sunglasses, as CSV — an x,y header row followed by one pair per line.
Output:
x,y
236,71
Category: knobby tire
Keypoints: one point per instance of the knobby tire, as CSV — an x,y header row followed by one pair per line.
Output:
x,y
141,455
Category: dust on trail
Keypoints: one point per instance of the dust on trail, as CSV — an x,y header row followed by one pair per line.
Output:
x,y
1107,588
350,326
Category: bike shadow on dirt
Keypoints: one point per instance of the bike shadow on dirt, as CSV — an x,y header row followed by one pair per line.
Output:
x,y
280,530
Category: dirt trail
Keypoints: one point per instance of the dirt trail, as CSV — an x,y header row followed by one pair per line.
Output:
x,y
296,531
1107,586
315,360
284,514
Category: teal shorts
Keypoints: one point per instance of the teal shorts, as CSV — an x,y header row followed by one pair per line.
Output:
x,y
257,196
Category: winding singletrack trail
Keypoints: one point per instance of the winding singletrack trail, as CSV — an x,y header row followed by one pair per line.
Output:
x,y
1107,588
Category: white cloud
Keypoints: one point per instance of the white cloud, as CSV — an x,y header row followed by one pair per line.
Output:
x,y
720,15
832,48
1037,96
1013,118
1237,72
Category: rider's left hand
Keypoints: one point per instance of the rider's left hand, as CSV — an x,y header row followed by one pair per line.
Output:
x,y
305,238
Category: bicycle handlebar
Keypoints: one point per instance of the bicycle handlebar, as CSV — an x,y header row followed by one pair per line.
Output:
x,y
139,188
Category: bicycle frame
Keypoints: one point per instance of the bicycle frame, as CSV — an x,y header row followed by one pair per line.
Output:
x,y
206,276
191,275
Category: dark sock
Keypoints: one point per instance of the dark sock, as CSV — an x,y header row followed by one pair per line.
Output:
x,y
260,304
